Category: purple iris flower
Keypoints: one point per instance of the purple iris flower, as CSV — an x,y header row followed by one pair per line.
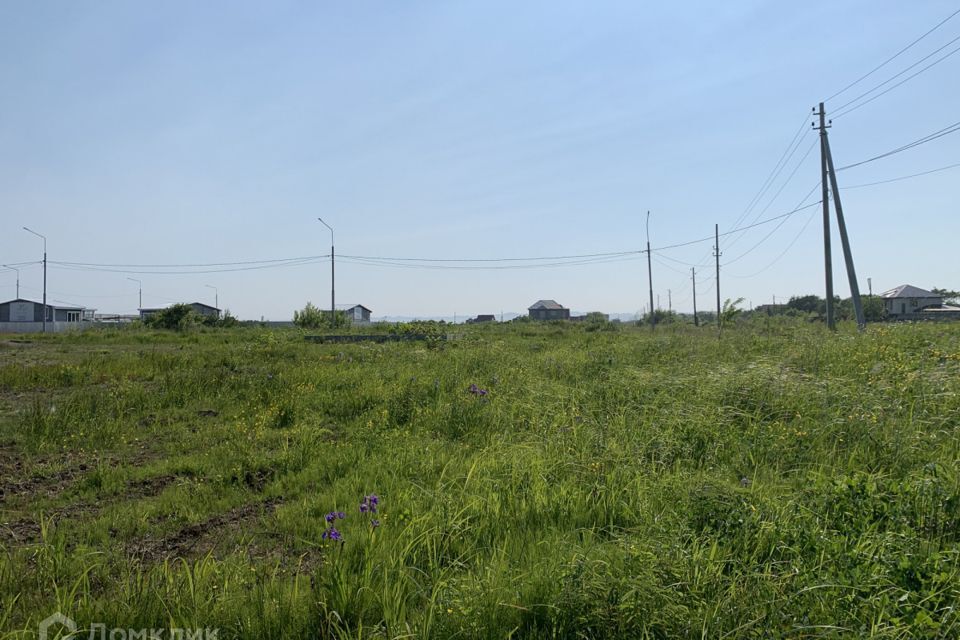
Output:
x,y
363,507
341,515
332,534
374,523
330,517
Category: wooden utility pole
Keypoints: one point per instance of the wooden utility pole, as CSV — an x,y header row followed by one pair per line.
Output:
x,y
825,195
669,300
716,254
693,278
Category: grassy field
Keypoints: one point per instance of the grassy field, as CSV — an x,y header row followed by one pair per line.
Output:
x,y
779,482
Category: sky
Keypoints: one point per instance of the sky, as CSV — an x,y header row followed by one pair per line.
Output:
x,y
185,133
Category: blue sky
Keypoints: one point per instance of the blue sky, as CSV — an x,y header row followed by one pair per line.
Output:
x,y
189,133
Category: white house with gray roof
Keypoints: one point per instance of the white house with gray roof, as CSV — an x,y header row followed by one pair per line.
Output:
x,y
907,300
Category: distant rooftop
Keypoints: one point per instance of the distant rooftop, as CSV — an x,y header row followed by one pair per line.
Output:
x,y
67,307
546,304
909,291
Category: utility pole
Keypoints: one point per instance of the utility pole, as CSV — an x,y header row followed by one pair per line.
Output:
x,y
845,241
827,170
44,275
140,289
216,297
18,277
653,319
658,302
825,196
693,278
869,285
669,300
717,254
333,317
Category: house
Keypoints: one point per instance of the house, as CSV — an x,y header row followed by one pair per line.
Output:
x,y
907,300
26,316
483,317
358,314
548,310
198,307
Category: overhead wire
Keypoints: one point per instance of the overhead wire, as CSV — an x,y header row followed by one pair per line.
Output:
x,y
782,253
290,263
776,228
187,265
782,187
843,108
893,57
953,128
898,179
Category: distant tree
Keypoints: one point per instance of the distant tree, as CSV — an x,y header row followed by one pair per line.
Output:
x,y
225,320
660,316
873,308
730,311
176,317
808,304
311,317
949,295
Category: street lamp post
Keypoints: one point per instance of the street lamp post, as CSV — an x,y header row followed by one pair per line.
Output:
x,y
333,317
18,277
140,291
44,238
216,297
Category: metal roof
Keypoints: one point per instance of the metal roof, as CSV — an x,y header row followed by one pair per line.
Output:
x,y
909,291
545,304
52,306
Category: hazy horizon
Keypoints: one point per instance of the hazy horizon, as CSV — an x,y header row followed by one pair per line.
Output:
x,y
192,134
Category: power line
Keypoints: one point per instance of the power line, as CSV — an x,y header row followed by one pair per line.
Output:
x,y
782,253
916,143
623,257
775,172
889,89
912,175
523,259
290,263
186,265
774,230
782,187
893,57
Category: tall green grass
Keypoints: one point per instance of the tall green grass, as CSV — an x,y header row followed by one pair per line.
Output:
x,y
782,481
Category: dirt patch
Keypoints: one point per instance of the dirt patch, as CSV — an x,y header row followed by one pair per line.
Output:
x,y
28,530
148,487
16,481
201,538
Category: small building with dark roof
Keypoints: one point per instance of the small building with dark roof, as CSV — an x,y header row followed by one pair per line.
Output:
x,y
358,314
26,316
548,310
